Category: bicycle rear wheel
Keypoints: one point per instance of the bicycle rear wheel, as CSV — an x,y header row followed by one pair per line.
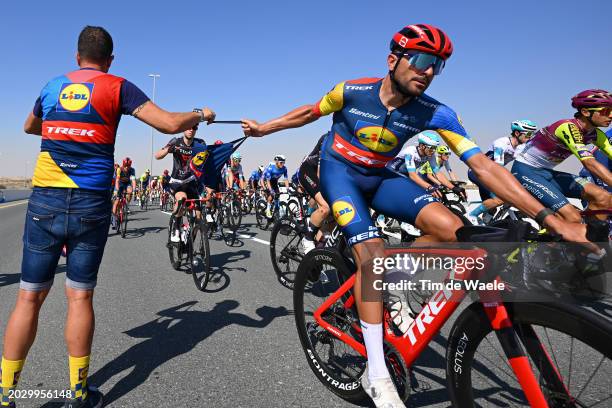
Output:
x,y
199,255
285,251
124,221
575,342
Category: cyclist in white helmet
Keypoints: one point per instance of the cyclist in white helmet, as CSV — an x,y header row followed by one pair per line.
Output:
x,y
420,165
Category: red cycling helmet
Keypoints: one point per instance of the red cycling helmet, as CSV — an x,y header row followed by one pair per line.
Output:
x,y
218,142
127,162
165,172
424,38
592,98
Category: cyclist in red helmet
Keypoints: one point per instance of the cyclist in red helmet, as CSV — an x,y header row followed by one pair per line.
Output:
x,y
551,145
125,181
373,118
218,142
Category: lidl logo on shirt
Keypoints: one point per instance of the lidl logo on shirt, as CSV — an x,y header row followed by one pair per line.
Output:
x,y
375,138
344,211
75,98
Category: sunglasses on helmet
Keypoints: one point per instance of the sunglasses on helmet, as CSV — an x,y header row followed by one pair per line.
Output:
x,y
422,61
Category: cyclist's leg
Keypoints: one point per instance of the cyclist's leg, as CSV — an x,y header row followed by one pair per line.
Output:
x,y
417,207
346,190
489,200
128,196
542,185
597,198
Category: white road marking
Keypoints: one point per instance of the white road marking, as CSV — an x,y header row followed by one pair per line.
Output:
x,y
261,241
14,204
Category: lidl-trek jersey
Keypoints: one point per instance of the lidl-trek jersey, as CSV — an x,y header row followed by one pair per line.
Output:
x,y
553,144
80,112
366,135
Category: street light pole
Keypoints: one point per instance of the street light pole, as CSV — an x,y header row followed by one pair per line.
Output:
x,y
154,76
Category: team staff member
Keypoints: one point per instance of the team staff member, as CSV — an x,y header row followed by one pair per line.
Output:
x,y
77,115
372,119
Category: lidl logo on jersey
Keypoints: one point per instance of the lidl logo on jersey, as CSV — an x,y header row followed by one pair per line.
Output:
x,y
75,98
200,158
344,211
375,138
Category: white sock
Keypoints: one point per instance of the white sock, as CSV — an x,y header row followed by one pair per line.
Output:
x,y
373,338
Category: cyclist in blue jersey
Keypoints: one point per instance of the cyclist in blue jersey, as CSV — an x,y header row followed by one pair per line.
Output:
x,y
254,178
272,174
372,119
502,152
77,115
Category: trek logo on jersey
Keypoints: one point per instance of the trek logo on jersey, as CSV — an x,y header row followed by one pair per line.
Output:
x,y
69,131
344,211
75,98
375,138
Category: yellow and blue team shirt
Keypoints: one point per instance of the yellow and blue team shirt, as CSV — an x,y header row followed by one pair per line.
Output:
x,y
80,113
366,135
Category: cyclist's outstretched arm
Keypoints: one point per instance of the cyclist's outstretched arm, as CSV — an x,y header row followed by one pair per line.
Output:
x,y
501,182
170,122
296,118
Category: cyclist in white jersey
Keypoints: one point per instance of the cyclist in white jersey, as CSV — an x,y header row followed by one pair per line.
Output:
x,y
502,152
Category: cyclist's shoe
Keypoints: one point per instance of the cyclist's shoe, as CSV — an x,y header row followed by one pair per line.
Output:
x,y
268,213
400,312
176,236
127,209
382,391
307,245
94,400
474,220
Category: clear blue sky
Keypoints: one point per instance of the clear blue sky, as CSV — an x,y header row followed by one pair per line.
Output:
x,y
258,59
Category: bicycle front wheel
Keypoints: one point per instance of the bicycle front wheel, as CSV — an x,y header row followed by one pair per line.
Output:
x,y
569,349
285,251
199,255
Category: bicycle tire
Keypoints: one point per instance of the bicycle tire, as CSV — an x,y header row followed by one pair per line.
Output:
x,y
124,222
472,327
174,249
347,387
290,251
199,255
236,213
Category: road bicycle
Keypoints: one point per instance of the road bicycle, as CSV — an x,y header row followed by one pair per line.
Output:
x,y
193,247
121,219
144,200
549,353
219,217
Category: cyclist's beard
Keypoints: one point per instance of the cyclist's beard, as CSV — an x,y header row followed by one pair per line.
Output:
x,y
399,87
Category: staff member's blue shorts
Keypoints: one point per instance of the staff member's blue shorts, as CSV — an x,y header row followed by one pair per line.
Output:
x,y
56,217
351,193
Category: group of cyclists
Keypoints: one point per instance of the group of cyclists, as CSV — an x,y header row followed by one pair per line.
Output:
x,y
362,164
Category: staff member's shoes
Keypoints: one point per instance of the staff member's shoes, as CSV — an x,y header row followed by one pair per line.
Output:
x,y
94,399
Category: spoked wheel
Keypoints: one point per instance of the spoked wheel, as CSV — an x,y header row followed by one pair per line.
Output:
x,y
199,255
286,252
175,249
260,214
246,206
226,228
236,213
336,365
569,349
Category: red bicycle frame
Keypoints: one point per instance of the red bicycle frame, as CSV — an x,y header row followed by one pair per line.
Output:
x,y
434,315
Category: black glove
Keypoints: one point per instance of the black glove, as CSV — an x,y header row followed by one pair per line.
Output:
x,y
171,145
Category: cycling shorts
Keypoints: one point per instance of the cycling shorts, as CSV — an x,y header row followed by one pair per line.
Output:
x,y
550,187
485,194
350,195
122,188
309,179
190,188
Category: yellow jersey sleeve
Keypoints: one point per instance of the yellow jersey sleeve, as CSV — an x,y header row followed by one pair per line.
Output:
x,y
603,143
333,101
572,138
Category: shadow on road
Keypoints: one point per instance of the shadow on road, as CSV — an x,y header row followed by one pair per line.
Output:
x,y
219,278
176,331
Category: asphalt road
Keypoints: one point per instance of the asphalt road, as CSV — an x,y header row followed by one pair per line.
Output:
x,y
160,342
